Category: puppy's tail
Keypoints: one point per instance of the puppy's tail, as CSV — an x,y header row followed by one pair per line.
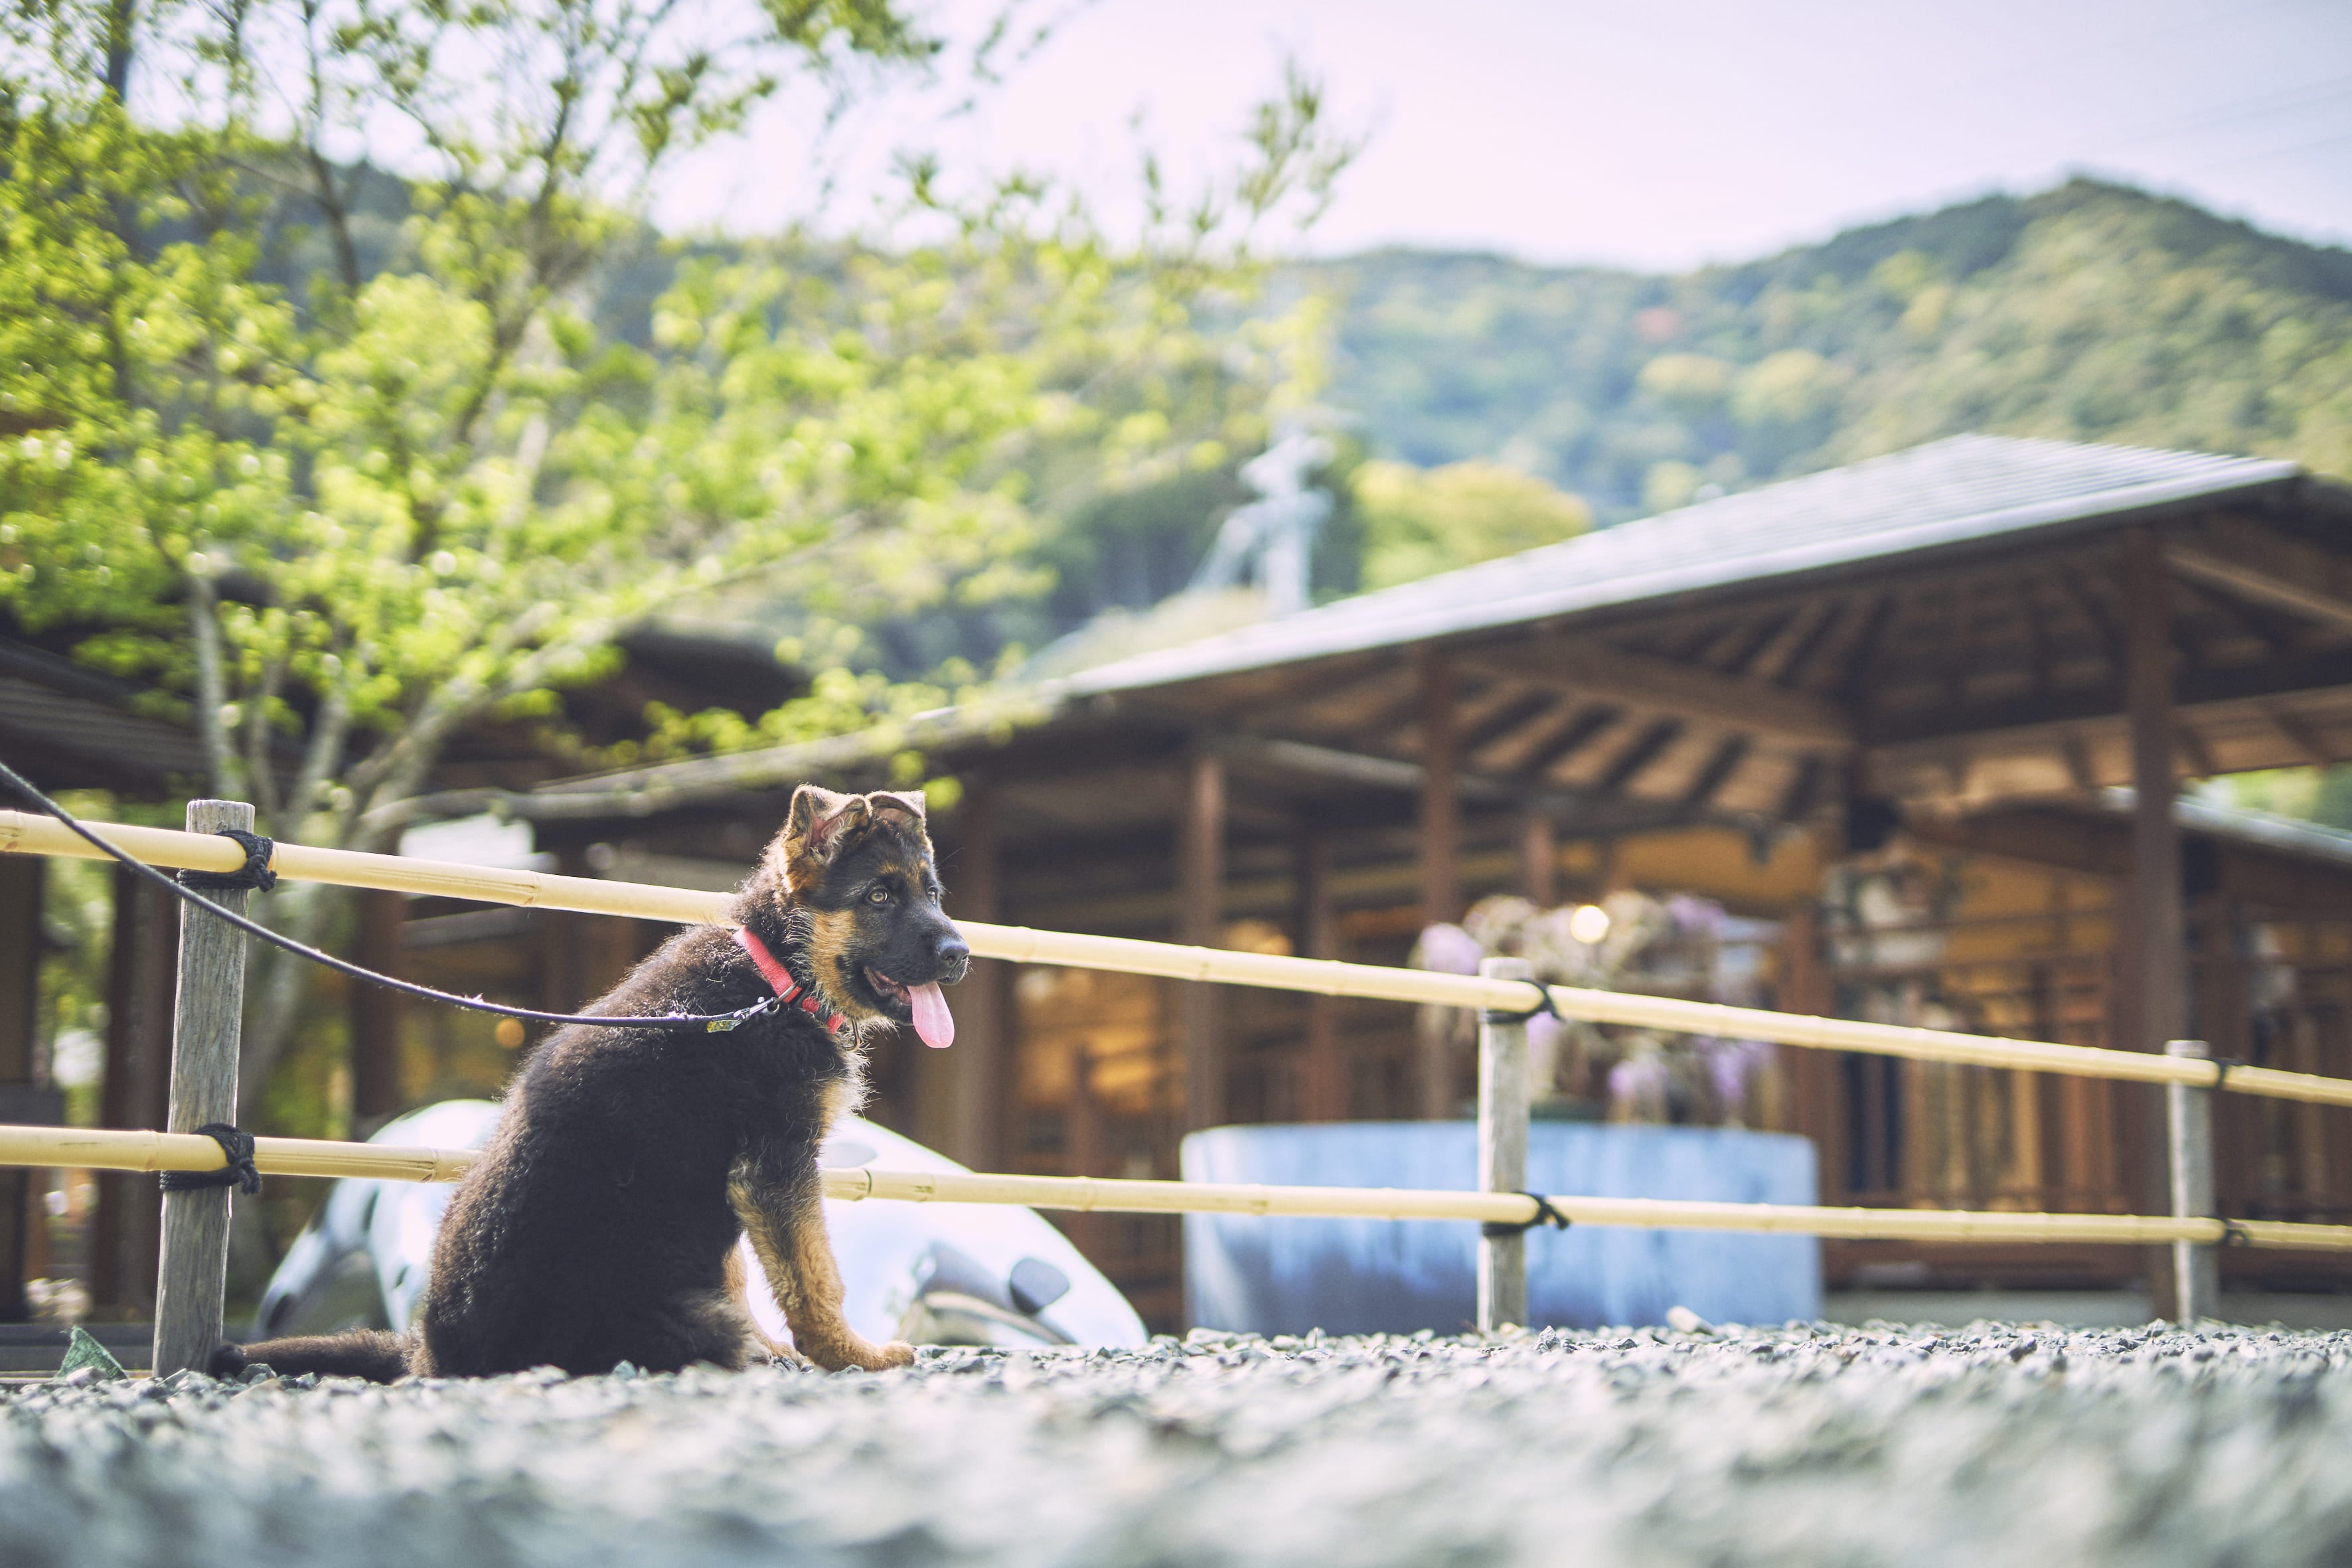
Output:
x,y
372,1353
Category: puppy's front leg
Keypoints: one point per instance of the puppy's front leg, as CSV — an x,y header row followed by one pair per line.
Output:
x,y
757,1342
785,1220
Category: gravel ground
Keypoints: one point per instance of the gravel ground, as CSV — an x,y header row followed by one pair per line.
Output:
x,y
1815,1446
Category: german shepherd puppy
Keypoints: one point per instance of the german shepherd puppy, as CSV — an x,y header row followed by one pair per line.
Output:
x,y
599,1222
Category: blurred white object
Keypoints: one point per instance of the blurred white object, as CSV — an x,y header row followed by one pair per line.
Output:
x,y
938,1273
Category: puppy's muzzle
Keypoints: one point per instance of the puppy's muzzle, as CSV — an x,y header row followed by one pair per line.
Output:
x,y
950,959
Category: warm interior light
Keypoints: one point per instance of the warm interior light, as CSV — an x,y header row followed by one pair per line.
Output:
x,y
1589,924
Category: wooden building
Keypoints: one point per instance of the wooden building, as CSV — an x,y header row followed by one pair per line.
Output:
x,y
65,727
2001,654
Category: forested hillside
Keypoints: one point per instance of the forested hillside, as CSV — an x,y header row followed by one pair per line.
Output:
x,y
2087,312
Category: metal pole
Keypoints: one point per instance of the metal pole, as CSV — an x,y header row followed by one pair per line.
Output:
x,y
2188,1117
1502,1154
206,1025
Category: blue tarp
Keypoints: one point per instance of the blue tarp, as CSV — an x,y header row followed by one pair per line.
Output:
x,y
1347,1275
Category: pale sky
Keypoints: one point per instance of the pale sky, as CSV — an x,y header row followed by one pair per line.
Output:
x,y
1659,134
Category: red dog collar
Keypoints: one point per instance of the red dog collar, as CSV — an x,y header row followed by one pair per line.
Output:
x,y
781,980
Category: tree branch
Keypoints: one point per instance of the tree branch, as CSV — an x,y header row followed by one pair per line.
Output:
x,y
212,687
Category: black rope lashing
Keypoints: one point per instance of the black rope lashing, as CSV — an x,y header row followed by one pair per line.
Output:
x,y
1501,1230
1544,1004
2221,1068
2234,1235
239,1173
256,874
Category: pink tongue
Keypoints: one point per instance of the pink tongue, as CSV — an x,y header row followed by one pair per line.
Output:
x,y
933,1022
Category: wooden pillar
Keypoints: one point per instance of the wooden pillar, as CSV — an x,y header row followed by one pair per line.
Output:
x,y
141,964
1816,1108
1539,859
1439,865
376,1012
2155,1007
207,1019
1322,1074
1087,1152
1440,791
2158,948
967,1099
21,877
1200,886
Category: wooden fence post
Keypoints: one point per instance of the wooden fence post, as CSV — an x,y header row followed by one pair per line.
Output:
x,y
206,1027
2188,1117
1501,1154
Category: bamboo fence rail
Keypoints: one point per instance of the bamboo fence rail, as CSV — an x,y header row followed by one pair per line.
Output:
x,y
27,833
95,1150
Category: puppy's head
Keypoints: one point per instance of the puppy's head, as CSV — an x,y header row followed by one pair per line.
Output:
x,y
859,870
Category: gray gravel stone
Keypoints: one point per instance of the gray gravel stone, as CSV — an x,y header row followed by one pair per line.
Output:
x,y
1811,1444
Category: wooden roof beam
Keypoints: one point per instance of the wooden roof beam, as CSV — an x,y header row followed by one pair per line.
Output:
x,y
1579,810
1638,681
2271,583
2023,730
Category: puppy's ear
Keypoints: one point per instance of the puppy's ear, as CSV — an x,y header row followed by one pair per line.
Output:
x,y
886,803
814,829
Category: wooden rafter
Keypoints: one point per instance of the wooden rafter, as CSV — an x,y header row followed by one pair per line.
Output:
x,y
2195,751
1853,669
1520,707
1795,642
1639,753
2278,577
2301,736
1580,727
1804,789
1590,670
1718,770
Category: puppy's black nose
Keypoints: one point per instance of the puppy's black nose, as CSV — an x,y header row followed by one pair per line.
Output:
x,y
953,957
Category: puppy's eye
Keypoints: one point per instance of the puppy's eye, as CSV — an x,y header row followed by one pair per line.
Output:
x,y
879,896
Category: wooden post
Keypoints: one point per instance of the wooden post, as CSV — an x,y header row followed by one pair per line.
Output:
x,y
982,1064
20,970
206,1027
375,1011
1200,883
1440,791
1323,1076
1439,865
2195,1271
1502,1154
2156,1007
1539,859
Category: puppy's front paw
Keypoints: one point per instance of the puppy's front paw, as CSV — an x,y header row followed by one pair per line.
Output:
x,y
878,1358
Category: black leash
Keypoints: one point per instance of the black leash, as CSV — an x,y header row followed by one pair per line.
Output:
x,y
258,874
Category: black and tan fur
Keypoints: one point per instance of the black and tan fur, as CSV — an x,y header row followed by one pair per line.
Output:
x,y
599,1222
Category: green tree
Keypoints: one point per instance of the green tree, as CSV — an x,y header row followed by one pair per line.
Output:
x,y
1416,521
349,520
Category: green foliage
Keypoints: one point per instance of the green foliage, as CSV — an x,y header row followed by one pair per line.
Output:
x,y
2314,794
349,515
2088,312
1417,522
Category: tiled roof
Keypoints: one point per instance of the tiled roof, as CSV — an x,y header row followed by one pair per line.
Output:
x,y
1956,492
